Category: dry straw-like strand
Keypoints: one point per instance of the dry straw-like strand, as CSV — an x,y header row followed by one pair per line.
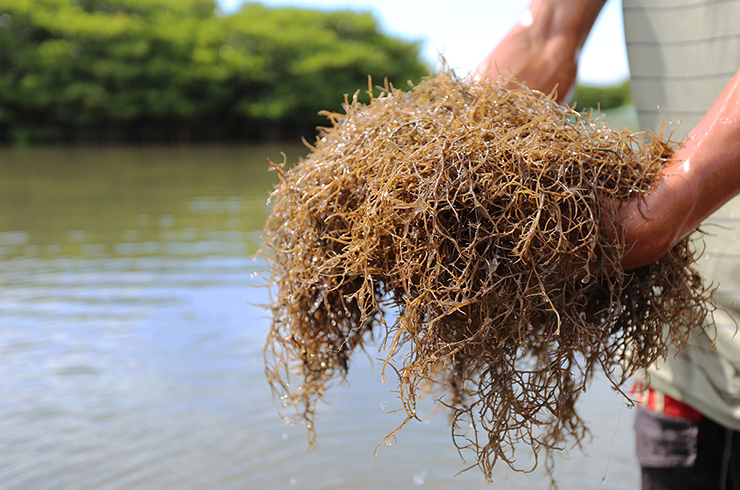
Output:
x,y
478,214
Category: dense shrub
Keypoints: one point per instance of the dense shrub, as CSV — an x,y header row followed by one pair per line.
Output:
x,y
153,70
608,97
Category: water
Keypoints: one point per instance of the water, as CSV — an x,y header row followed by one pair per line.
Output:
x,y
131,343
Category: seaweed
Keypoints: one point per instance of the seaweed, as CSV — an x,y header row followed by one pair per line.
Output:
x,y
483,216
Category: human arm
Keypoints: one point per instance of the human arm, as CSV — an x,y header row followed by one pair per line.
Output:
x,y
702,175
542,49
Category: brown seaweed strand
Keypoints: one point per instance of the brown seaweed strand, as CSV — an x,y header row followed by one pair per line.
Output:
x,y
477,215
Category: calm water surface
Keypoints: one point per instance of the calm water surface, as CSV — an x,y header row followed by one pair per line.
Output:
x,y
131,343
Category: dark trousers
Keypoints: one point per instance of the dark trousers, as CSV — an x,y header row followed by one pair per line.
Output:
x,y
678,454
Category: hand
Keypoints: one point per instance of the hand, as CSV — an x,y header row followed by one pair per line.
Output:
x,y
542,49
702,175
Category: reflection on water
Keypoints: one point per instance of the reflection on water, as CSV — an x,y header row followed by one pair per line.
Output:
x,y
130,342
134,201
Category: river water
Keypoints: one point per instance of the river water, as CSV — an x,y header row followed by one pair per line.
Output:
x,y
131,343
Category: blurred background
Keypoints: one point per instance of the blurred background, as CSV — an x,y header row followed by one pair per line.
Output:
x,y
135,137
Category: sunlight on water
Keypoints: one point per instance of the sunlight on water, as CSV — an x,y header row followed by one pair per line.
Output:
x,y
131,343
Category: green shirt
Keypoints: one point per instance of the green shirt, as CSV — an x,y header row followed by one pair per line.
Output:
x,y
682,53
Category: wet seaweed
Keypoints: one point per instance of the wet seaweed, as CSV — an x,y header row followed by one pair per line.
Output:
x,y
482,216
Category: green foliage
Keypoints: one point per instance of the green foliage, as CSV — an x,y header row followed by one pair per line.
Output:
x,y
151,69
593,97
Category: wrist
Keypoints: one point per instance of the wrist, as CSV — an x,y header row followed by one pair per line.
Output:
x,y
541,63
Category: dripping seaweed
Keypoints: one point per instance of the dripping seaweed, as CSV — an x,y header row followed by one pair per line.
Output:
x,y
480,214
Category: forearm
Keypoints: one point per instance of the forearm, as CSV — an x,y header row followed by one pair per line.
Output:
x,y
542,49
702,175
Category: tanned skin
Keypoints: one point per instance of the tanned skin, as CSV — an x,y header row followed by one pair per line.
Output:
x,y
542,51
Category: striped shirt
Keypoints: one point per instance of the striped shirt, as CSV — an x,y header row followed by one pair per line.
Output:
x,y
682,53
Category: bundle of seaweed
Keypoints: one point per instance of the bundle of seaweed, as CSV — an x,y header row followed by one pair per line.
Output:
x,y
479,215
